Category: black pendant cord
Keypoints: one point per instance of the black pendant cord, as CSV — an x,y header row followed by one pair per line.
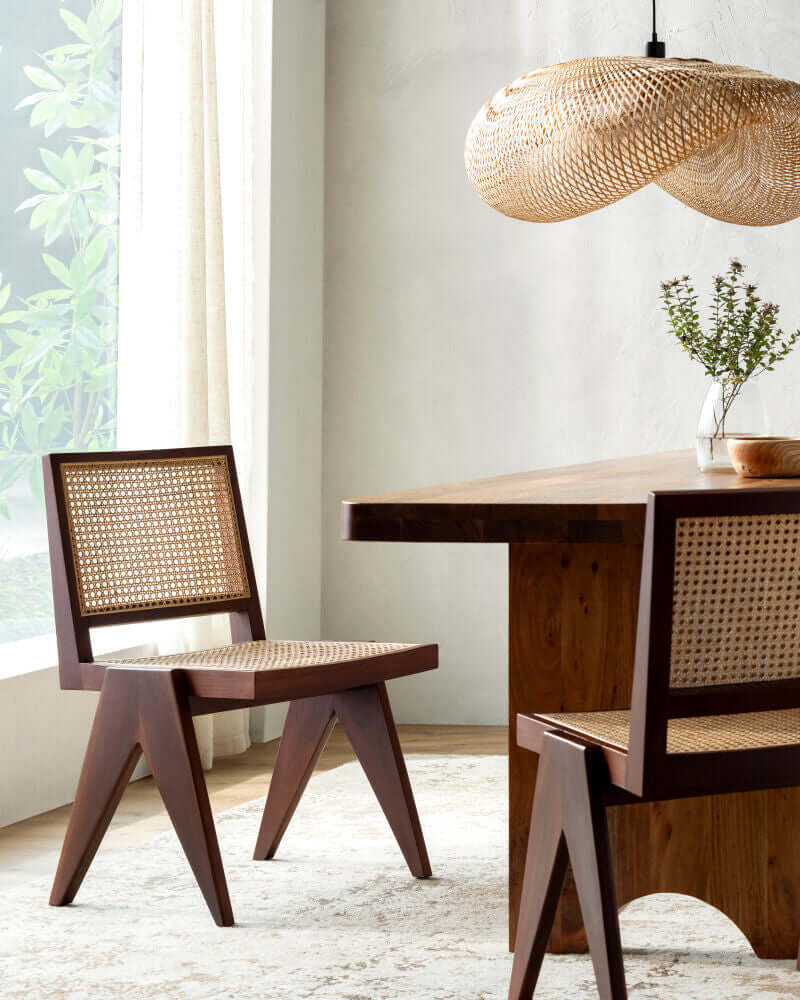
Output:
x,y
655,49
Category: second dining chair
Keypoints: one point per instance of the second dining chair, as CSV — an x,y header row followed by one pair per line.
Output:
x,y
141,536
715,708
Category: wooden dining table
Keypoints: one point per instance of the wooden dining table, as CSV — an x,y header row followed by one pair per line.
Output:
x,y
575,538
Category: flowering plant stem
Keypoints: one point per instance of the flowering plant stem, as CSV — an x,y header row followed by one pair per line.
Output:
x,y
743,339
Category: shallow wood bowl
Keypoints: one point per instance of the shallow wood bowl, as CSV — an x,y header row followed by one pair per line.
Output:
x,y
765,457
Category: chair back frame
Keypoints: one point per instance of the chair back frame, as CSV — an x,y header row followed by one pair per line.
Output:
x,y
73,626
652,772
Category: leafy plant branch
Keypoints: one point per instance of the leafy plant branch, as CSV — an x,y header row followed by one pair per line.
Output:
x,y
743,340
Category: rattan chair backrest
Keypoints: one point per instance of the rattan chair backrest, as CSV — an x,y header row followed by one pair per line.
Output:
x,y
718,634
151,534
719,617
736,600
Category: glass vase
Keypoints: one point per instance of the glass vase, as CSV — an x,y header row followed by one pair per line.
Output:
x,y
728,411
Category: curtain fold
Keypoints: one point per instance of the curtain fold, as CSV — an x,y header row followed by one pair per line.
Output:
x,y
194,229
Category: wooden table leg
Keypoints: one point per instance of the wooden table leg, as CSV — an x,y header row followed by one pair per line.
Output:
x,y
572,630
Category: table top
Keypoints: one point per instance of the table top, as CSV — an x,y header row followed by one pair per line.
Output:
x,y
595,502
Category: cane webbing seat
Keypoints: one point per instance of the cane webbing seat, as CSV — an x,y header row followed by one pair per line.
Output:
x,y
704,734
268,654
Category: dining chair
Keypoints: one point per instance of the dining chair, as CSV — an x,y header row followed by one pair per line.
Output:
x,y
715,707
147,535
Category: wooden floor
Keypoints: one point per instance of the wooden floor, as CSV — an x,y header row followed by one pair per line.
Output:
x,y
30,849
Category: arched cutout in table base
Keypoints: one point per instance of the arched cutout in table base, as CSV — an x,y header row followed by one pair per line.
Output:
x,y
572,939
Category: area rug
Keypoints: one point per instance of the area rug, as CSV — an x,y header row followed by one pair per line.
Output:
x,y
337,916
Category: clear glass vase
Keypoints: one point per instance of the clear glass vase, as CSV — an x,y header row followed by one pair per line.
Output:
x,y
728,412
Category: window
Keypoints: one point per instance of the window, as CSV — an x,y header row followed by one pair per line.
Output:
x,y
59,225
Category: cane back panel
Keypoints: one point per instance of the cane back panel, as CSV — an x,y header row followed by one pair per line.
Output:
x,y
736,600
153,533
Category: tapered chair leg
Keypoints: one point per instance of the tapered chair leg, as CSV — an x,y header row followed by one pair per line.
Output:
x,y
111,756
586,828
569,822
367,718
545,871
143,710
169,742
305,733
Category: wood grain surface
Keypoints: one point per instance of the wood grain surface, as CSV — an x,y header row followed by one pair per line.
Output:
x,y
765,457
572,617
595,502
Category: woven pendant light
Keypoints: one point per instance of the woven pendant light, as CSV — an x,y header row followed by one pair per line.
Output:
x,y
569,139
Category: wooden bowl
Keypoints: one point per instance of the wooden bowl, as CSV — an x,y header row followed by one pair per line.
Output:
x,y
765,457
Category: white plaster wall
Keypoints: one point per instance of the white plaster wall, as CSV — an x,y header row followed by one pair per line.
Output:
x,y
292,599
295,393
459,343
44,731
42,741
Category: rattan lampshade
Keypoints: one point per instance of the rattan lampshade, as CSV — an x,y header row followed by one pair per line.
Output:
x,y
569,139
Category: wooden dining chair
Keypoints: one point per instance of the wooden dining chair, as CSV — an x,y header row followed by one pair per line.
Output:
x,y
715,707
141,536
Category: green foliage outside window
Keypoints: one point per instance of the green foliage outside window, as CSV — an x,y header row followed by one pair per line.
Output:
x,y
58,345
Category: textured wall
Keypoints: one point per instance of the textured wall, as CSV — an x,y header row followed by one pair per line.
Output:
x,y
461,344
295,323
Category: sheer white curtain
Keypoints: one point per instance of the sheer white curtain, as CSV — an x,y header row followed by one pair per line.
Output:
x,y
194,257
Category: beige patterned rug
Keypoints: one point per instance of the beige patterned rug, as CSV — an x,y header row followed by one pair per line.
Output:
x,y
337,917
